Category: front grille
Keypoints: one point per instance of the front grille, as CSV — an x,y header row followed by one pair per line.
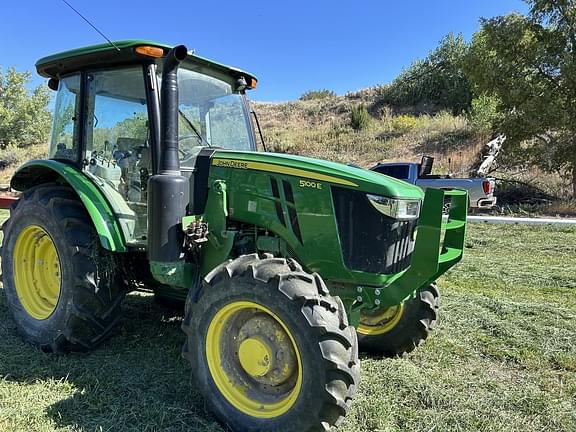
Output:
x,y
370,241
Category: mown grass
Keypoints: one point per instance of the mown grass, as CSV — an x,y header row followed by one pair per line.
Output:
x,y
503,357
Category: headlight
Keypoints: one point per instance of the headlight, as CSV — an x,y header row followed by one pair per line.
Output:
x,y
401,209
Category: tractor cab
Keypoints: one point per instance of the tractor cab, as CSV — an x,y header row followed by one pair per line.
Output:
x,y
107,118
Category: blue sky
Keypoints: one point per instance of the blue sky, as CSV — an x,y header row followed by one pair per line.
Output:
x,y
292,46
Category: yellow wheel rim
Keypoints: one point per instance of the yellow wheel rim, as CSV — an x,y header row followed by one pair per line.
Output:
x,y
253,359
380,322
37,274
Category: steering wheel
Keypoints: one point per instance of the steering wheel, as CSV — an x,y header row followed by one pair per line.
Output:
x,y
187,137
186,156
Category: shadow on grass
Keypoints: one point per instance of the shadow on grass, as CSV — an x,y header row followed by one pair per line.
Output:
x,y
135,381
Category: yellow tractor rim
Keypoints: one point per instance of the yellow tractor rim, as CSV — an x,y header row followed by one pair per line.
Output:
x,y
253,359
37,275
380,322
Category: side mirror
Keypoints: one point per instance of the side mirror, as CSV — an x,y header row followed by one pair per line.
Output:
x,y
53,84
241,84
426,166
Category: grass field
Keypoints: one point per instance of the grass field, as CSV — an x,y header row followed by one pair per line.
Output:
x,y
503,357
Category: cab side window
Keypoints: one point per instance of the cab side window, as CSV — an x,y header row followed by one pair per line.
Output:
x,y
117,134
65,128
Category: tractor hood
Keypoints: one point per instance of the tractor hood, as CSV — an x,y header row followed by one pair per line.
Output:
x,y
318,170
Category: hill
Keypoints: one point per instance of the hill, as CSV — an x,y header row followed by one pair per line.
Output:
x,y
323,128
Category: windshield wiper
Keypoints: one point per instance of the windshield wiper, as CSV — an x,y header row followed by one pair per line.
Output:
x,y
202,139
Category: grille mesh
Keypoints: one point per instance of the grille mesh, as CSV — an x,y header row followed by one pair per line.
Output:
x,y
371,241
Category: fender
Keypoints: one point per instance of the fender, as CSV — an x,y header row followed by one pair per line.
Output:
x,y
36,172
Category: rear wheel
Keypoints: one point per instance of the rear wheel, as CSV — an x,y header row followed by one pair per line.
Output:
x,y
270,349
398,330
63,290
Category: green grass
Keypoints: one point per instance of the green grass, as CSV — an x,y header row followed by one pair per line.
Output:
x,y
503,357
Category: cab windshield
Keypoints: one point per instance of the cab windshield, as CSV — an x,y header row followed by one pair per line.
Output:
x,y
210,113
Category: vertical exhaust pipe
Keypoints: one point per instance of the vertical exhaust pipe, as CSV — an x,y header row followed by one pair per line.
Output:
x,y
169,161
168,193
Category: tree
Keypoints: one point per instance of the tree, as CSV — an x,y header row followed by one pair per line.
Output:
x,y
135,127
24,115
437,80
529,64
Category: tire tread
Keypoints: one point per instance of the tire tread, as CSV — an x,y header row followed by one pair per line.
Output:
x,y
412,330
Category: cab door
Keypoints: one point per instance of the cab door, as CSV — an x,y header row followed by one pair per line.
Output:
x,y
116,152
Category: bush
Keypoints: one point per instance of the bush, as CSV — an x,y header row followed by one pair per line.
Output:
x,y
359,117
403,122
317,94
8,157
11,156
484,115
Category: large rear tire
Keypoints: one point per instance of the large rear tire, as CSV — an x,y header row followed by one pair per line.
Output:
x,y
63,289
398,330
270,349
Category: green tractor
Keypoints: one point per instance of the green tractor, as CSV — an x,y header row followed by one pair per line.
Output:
x,y
287,265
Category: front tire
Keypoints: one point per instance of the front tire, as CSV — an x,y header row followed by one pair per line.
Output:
x,y
270,349
398,330
63,289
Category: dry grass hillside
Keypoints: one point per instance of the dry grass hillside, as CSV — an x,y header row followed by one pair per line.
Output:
x,y
323,128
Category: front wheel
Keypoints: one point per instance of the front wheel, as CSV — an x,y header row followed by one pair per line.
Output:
x,y
270,349
398,330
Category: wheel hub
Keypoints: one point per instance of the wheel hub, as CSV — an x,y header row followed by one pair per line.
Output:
x,y
255,357
265,351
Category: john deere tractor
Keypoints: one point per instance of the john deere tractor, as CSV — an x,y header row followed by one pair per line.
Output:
x,y
287,265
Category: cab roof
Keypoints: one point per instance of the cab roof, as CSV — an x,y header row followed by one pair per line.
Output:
x,y
62,63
